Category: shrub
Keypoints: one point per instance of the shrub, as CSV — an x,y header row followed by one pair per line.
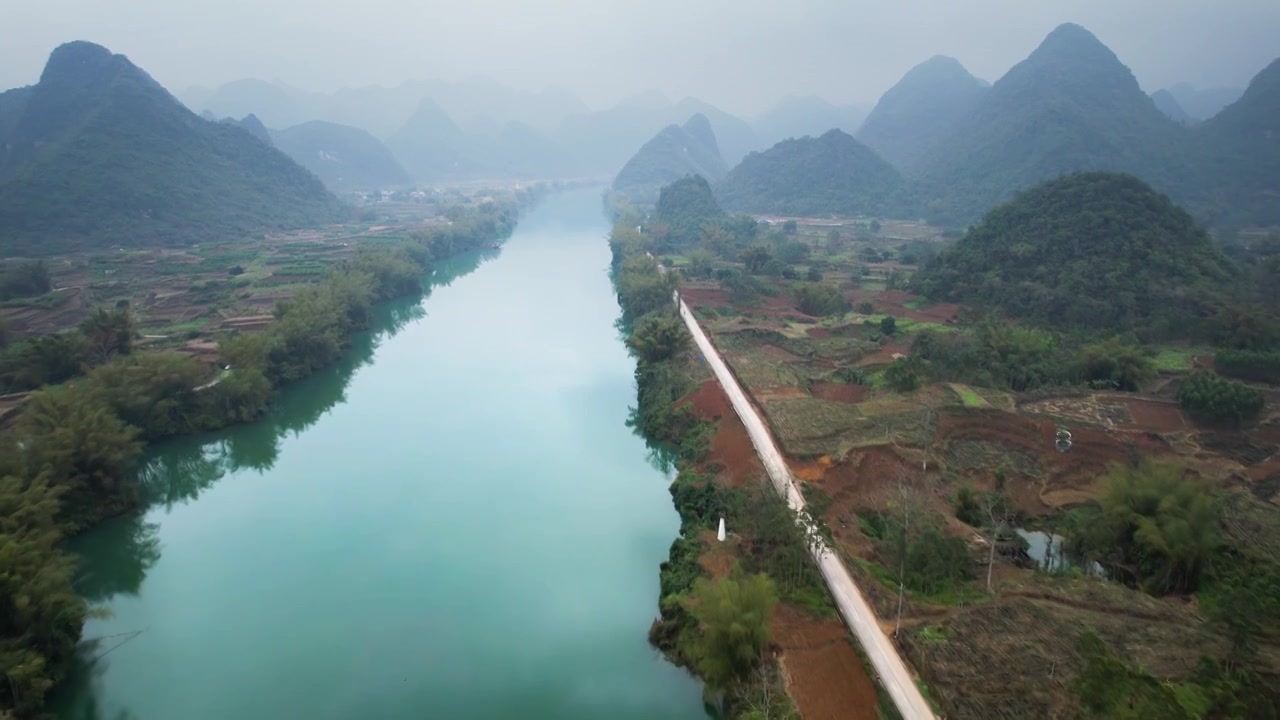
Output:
x,y
1213,399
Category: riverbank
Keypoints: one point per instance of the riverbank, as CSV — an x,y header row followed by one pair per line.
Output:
x,y
808,657
68,462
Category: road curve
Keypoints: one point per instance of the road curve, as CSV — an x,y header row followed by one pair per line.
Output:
x,y
857,614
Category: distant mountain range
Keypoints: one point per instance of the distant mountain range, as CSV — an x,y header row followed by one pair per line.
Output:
x,y
796,117
97,152
1202,104
343,157
676,151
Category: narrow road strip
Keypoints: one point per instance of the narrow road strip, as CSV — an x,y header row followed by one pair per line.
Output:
x,y
857,614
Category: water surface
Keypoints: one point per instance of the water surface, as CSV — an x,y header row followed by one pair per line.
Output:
x,y
453,523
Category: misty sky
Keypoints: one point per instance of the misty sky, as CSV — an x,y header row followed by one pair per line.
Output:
x,y
739,54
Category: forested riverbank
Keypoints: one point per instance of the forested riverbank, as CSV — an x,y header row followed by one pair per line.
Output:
x,y
721,604
69,460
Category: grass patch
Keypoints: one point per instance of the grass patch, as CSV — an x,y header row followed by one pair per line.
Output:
x,y
969,397
1176,359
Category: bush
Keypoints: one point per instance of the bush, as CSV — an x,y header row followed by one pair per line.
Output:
x,y
1249,365
1115,365
905,374
817,299
1213,399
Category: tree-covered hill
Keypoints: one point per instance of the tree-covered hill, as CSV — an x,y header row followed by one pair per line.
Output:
x,y
345,158
922,108
1090,250
831,174
1070,106
684,208
674,152
1240,151
99,153
255,127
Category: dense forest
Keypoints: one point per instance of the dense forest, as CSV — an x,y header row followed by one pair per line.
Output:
x,y
1094,250
69,461
829,175
100,153
684,209
343,157
676,151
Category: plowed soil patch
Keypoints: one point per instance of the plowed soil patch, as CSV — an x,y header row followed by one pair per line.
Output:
x,y
709,401
839,392
1156,416
730,446
818,332
704,296
824,675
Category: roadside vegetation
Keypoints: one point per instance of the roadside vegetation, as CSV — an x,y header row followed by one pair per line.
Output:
x,y
1061,511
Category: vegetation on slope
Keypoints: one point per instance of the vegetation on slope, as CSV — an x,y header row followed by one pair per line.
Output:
x,y
1240,147
832,174
344,158
1070,106
102,154
684,209
1091,250
920,110
673,153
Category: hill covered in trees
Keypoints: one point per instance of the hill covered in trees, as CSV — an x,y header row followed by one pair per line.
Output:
x,y
1097,250
345,158
922,108
1240,150
831,174
676,151
97,152
684,208
1070,106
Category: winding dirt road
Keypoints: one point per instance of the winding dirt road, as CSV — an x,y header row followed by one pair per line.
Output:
x,y
857,614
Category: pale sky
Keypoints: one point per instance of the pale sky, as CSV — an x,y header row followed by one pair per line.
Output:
x,y
739,54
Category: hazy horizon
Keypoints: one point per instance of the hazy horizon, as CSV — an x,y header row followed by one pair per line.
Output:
x,y
742,56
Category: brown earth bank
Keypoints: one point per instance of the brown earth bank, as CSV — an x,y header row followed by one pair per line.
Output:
x,y
839,392
823,674
730,447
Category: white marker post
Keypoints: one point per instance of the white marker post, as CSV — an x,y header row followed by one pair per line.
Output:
x,y
720,532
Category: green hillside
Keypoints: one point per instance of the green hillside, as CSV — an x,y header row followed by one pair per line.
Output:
x,y
1070,106
922,108
831,174
674,152
684,208
1240,147
1091,250
345,158
102,154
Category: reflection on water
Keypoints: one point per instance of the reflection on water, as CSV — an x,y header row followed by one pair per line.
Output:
x,y
115,556
1049,552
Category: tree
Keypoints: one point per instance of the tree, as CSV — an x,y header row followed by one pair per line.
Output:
x,y
701,263
1114,364
756,257
657,338
875,226
733,615
818,299
790,227
794,253
1213,399
1159,522
86,451
109,333
40,613
997,515
905,374
888,325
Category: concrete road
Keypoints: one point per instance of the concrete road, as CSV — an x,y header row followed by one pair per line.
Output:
x,y
857,614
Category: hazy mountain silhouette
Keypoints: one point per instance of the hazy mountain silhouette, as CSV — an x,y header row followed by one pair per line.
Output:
x,y
922,108
344,157
676,151
99,152
796,117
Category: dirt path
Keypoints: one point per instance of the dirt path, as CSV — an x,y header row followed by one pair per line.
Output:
x,y
857,614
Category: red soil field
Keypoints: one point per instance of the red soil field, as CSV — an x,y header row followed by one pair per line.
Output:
x,y
823,674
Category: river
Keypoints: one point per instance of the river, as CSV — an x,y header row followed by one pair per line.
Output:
x,y
455,522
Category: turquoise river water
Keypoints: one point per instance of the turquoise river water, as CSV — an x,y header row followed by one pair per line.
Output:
x,y
455,522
